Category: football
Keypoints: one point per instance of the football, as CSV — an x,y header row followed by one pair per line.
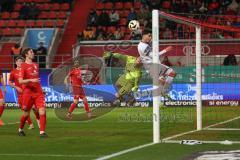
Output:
x,y
133,25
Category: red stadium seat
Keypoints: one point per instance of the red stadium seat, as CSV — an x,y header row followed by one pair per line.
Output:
x,y
14,15
39,24
126,13
128,5
166,4
52,15
17,32
30,24
99,12
137,5
62,15
43,15
40,6
50,24
123,22
100,6
65,7
7,32
60,23
55,7
17,7
11,23
21,23
5,15
118,5
108,5
46,7
2,24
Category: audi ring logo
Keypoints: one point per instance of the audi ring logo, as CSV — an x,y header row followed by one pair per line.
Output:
x,y
190,50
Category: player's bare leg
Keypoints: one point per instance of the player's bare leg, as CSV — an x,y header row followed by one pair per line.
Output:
x,y
72,107
42,114
86,107
168,82
1,110
23,119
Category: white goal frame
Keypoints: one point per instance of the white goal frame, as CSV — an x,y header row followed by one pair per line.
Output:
x,y
155,49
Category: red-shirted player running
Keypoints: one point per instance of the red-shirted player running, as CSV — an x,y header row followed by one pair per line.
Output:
x,y
2,97
14,83
32,92
78,92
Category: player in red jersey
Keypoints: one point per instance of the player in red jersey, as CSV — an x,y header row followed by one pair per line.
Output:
x,y
32,92
78,92
14,83
2,97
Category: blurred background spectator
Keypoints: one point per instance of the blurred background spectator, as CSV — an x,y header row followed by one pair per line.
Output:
x,y
230,60
114,18
41,54
16,50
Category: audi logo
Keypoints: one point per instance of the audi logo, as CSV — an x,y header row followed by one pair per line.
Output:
x,y
191,50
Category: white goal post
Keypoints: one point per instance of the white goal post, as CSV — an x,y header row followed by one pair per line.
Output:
x,y
155,49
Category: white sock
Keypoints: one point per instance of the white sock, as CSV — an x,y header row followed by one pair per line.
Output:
x,y
41,132
20,130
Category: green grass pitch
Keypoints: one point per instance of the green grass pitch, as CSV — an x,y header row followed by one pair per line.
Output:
x,y
121,129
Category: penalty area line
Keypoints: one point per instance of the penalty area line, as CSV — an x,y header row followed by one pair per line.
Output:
x,y
125,151
49,155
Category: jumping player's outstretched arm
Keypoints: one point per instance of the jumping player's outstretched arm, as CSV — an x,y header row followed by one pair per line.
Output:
x,y
165,50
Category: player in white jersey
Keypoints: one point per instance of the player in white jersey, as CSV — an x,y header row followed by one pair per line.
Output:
x,y
166,74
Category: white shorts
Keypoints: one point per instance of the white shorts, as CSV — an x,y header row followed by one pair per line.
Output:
x,y
163,70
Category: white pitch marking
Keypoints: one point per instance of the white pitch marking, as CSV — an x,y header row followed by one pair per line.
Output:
x,y
124,151
213,125
48,155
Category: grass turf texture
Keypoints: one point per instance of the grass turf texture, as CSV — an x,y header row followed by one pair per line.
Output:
x,y
120,129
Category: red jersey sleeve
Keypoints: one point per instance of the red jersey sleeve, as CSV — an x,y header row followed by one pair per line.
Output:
x,y
11,77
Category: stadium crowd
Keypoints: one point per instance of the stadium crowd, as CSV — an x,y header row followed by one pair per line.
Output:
x,y
110,18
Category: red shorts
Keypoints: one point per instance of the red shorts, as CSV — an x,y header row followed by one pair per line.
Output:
x,y
1,94
30,100
78,92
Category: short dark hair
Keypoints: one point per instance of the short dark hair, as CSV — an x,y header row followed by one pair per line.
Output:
x,y
19,57
25,51
147,31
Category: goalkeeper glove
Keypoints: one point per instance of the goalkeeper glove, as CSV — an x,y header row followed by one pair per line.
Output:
x,y
135,88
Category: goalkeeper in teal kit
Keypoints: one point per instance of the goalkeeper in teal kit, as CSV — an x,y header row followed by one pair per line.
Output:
x,y
128,82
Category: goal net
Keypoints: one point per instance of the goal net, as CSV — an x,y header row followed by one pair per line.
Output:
x,y
204,99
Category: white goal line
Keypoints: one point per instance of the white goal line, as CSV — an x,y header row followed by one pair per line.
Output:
x,y
224,122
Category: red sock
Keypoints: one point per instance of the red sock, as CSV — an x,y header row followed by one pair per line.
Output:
x,y
1,110
86,107
73,106
29,121
36,115
42,123
22,121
